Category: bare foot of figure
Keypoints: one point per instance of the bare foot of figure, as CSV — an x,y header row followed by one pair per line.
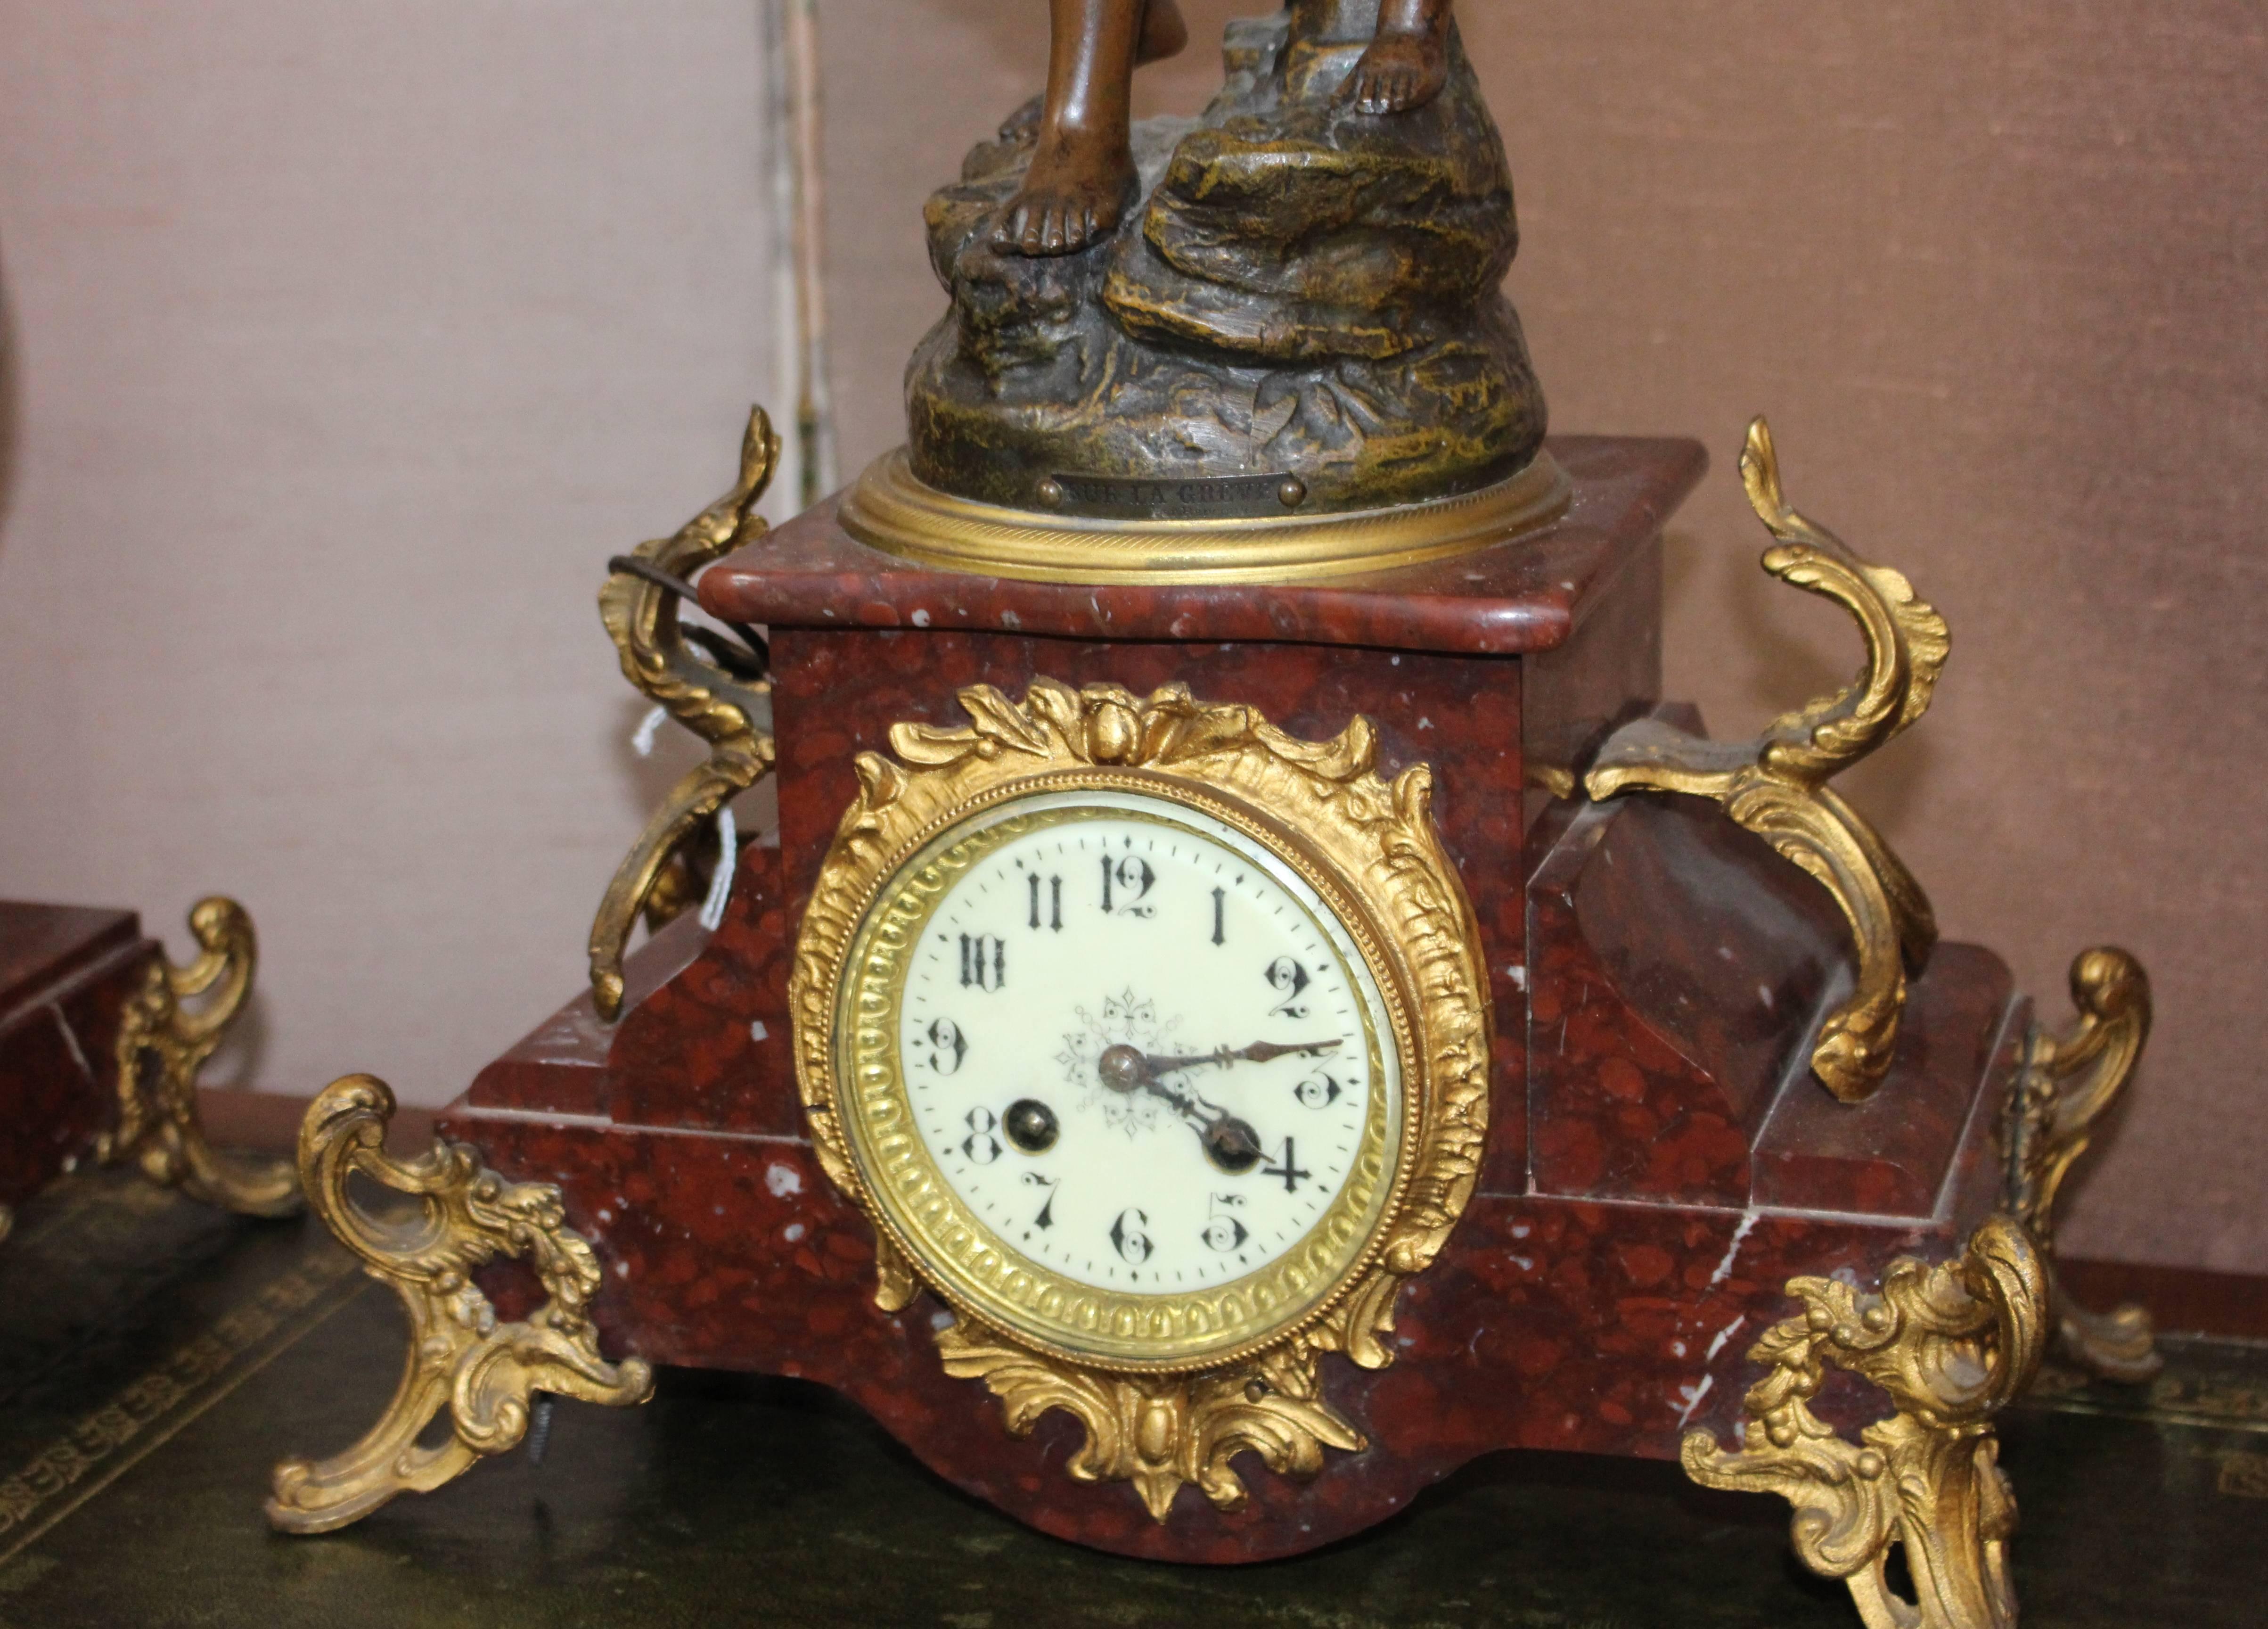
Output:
x,y
1082,171
1408,62
1073,195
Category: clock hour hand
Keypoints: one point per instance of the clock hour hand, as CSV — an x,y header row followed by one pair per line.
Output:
x,y
1229,1142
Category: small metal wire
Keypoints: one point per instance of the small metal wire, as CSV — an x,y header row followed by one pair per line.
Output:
x,y
747,662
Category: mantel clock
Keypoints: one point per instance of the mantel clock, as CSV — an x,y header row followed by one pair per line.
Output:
x,y
1255,998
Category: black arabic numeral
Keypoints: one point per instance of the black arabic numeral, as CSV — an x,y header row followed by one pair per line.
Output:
x,y
1220,906
1286,1166
980,1146
1047,1216
1317,1091
1133,1245
1288,979
1126,882
1224,1233
947,1046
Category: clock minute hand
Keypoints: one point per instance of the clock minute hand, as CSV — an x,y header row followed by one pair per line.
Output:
x,y
1258,1052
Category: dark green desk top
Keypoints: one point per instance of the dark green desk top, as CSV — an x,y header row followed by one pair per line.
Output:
x,y
157,1358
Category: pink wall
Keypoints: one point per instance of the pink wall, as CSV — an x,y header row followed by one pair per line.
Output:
x,y
350,341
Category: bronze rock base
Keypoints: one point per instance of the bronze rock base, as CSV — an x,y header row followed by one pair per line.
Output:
x,y
1303,292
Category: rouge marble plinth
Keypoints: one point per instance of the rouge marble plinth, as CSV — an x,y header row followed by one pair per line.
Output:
x,y
1579,1323
1551,1323
66,973
1658,1161
1522,597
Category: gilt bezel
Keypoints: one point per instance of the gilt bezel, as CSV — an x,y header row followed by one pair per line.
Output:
x,y
962,1257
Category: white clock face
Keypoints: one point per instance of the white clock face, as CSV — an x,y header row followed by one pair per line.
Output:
x,y
1137,1046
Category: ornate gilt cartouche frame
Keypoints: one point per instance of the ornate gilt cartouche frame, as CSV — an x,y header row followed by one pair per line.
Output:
x,y
1376,842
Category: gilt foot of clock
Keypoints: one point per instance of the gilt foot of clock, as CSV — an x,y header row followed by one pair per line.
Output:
x,y
174,1023
101,1041
2069,1082
460,1357
1952,1344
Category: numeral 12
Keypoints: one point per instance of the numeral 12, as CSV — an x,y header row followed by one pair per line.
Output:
x,y
1132,879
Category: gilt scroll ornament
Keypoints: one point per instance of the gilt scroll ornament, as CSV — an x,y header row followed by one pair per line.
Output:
x,y
1777,784
1953,1345
2067,1083
461,1359
1162,1430
172,1025
733,716
1162,1433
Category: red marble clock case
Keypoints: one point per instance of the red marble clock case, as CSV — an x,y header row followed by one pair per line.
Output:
x,y
1659,1161
66,974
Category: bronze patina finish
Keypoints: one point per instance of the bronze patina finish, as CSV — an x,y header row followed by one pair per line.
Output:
x,y
1083,161
1301,311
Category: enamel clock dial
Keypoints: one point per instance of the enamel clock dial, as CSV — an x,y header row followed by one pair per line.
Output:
x,y
1126,1079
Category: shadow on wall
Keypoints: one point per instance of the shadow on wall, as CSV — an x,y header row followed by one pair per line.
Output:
x,y
11,418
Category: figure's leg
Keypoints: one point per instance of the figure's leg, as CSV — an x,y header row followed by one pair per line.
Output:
x,y
1164,32
1408,62
1083,164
